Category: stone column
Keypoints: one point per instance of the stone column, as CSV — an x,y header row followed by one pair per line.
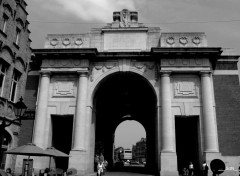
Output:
x,y
79,154
41,112
209,119
80,115
168,152
167,121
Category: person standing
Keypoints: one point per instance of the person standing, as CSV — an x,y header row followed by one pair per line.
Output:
x,y
185,171
100,168
191,169
101,158
205,168
105,163
239,170
96,161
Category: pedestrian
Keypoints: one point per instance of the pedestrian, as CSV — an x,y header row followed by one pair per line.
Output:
x,y
185,171
9,172
33,174
96,161
46,172
100,168
191,169
205,168
239,170
101,158
105,166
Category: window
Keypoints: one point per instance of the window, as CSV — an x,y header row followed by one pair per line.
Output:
x,y
15,79
3,71
18,31
4,26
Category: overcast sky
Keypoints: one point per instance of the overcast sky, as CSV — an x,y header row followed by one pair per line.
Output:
x,y
128,133
219,19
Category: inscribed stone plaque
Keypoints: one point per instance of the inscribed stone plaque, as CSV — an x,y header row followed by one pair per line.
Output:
x,y
125,41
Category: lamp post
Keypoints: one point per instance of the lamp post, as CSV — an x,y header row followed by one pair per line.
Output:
x,y
19,111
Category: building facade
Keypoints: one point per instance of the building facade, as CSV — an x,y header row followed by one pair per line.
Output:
x,y
15,54
139,151
176,86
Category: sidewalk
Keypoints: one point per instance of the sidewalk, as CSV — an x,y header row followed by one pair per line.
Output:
x,y
125,174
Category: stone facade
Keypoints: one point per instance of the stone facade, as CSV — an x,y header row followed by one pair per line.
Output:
x,y
169,82
139,151
15,53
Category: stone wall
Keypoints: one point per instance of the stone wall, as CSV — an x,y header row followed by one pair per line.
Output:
x,y
227,97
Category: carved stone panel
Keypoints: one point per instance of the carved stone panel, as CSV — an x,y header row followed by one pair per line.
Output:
x,y
186,88
125,41
63,89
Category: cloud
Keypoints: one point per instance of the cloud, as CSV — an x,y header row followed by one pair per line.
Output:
x,y
90,10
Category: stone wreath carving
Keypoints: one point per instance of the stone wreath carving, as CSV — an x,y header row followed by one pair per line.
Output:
x,y
66,42
78,42
183,40
54,42
170,40
196,40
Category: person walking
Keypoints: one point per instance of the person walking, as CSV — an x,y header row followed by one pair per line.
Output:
x,y
205,168
191,169
100,168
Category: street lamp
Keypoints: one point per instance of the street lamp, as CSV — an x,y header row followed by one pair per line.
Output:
x,y
19,110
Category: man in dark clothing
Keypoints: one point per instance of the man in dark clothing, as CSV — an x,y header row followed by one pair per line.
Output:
x,y
205,168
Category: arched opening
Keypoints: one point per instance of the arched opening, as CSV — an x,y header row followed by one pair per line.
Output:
x,y
124,96
130,144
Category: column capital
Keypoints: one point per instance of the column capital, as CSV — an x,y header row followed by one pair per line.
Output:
x,y
45,73
205,73
83,73
165,73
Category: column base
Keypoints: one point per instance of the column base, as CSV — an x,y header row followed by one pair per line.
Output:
x,y
80,160
169,164
209,156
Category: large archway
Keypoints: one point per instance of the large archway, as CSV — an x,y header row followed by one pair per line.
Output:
x,y
121,96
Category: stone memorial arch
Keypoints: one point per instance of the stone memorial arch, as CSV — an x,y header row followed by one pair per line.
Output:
x,y
90,83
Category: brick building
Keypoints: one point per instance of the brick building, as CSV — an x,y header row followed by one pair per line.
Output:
x,y
183,92
15,53
139,151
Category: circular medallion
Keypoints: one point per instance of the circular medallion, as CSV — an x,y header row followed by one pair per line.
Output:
x,y
64,62
76,62
54,42
183,40
51,62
